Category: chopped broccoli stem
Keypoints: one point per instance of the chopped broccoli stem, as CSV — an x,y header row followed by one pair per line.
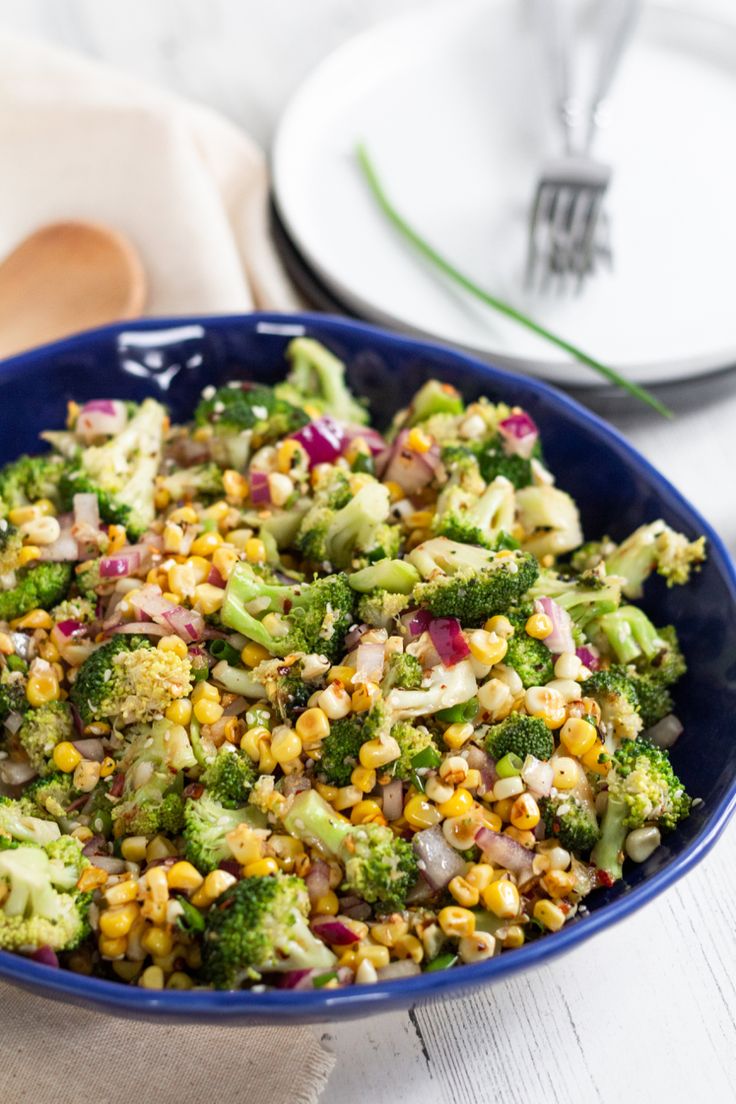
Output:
x,y
317,379
394,576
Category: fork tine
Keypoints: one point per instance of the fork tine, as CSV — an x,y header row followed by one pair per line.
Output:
x,y
586,247
537,220
581,224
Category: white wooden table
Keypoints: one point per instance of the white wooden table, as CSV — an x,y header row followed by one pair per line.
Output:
x,y
648,1011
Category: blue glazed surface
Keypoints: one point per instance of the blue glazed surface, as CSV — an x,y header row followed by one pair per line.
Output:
x,y
616,490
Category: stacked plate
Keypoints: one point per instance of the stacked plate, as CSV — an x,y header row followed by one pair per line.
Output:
x,y
453,105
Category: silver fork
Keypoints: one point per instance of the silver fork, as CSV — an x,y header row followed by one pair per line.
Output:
x,y
567,228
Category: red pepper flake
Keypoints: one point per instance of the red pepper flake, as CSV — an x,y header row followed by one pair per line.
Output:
x,y
605,879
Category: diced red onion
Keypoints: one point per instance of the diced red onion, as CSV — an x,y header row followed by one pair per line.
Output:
x,y
372,437
90,748
588,656
393,799
334,932
235,708
95,846
353,636
117,786
230,866
323,440
538,776
560,639
150,628
446,633
404,969
70,627
188,624
438,862
260,495
123,563
345,975
360,911
411,470
520,434
416,621
481,761
369,662
666,732
110,864
101,417
15,772
215,578
46,956
13,721
318,880
296,979
505,852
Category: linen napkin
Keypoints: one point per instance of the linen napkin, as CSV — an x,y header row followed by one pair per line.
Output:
x,y
189,189
81,141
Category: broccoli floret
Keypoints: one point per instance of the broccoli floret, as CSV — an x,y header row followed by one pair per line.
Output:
x,y
433,398
340,748
306,617
229,777
655,700
668,664
418,749
203,481
316,379
655,547
75,609
473,519
42,729
356,532
642,789
631,635
469,583
395,576
381,608
52,794
150,803
587,597
550,520
379,866
122,471
88,579
18,824
491,460
38,586
29,478
572,821
529,657
12,693
244,416
404,671
285,686
207,824
259,926
520,735
42,908
129,681
617,697
11,544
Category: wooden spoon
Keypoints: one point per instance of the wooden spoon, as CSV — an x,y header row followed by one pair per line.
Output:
x,y
66,277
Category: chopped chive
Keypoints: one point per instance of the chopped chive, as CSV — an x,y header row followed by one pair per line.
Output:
x,y
430,253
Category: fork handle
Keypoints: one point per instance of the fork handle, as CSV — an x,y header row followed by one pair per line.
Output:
x,y
615,38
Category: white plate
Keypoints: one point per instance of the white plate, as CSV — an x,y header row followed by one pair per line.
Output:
x,y
453,106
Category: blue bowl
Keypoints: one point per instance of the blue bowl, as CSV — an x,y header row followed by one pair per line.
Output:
x,y
616,490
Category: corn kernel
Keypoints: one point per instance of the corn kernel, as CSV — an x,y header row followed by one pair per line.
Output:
x,y
36,619
312,726
505,788
66,757
326,905
173,644
207,712
260,868
502,899
335,701
495,699
152,978
558,883
133,848
329,793
21,514
92,877
111,947
395,490
205,690
539,625
549,915
460,803
457,735
285,744
499,625
524,813
179,980
363,698
567,773
117,922
173,537
255,551
377,753
225,560
216,882
122,893
420,813
251,742
547,704
157,881
480,875
253,654
179,712
419,441
456,922
367,812
28,553
511,937
341,674
157,941
206,543
592,759
487,647
364,778
577,736
346,797
159,848
464,892
374,953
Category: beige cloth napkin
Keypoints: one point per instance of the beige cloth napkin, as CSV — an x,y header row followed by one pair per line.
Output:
x,y
190,190
81,140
